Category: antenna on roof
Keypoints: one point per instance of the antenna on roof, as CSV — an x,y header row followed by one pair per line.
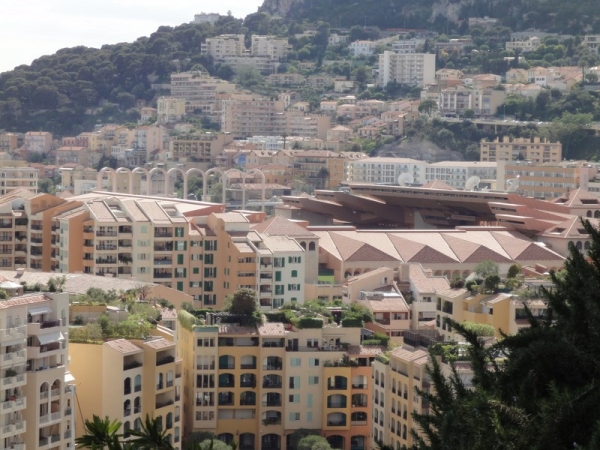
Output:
x,y
405,179
472,184
512,185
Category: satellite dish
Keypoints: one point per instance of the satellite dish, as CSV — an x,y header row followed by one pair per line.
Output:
x,y
512,185
405,179
472,183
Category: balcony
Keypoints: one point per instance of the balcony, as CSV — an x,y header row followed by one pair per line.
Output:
x,y
164,404
11,382
131,365
163,262
106,248
106,233
14,404
112,261
165,360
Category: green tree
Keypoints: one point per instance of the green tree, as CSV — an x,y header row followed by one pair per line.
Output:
x,y
243,302
486,268
151,436
314,442
100,434
513,271
428,107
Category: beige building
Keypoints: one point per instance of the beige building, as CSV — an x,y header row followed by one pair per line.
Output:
x,y
272,47
200,91
170,109
535,150
413,69
225,45
248,115
38,141
127,380
257,385
12,178
9,142
549,180
458,99
39,390
77,155
202,148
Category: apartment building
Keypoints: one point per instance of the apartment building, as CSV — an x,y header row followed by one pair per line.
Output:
x,y
363,48
210,18
386,170
456,173
549,180
504,312
12,178
535,150
482,101
525,45
200,91
225,45
257,385
9,142
38,141
414,69
246,115
592,41
127,380
394,395
76,155
270,46
170,109
38,387
200,148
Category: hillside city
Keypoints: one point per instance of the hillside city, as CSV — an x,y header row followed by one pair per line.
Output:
x,y
302,236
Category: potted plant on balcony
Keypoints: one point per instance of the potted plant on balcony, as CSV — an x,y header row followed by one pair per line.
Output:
x,y
11,373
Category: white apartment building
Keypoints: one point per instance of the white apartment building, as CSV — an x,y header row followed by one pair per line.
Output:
x,y
12,178
271,47
210,18
385,170
415,69
362,48
225,45
38,141
38,388
456,173
524,45
407,45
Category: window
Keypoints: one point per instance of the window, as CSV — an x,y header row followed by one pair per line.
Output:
x,y
294,274
195,284
312,380
295,398
209,259
278,275
279,289
211,246
313,362
210,299
296,362
210,272
294,382
196,270
309,416
309,400
180,286
295,259
294,416
179,259
293,287
196,257
179,232
208,286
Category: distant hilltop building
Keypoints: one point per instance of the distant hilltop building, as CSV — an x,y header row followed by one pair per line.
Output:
x,y
211,18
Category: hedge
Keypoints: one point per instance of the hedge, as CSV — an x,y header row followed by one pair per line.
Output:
x,y
310,322
352,322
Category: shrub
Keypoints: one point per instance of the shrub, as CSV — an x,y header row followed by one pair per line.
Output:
x,y
310,322
352,322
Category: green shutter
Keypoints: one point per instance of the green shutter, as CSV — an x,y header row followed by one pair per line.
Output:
x,y
179,259
278,276
180,285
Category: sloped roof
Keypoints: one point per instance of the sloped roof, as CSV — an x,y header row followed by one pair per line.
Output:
x,y
578,197
437,184
280,226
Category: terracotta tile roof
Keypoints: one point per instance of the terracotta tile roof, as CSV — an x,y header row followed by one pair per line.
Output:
x,y
271,329
426,283
408,355
365,350
429,255
123,346
29,299
388,304
437,184
280,226
158,344
485,254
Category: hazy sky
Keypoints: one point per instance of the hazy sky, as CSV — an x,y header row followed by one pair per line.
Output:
x,y
32,28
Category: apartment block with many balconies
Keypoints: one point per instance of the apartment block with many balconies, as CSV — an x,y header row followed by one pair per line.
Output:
x,y
38,390
127,380
256,385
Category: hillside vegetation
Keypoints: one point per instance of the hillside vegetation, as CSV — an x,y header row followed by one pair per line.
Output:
x,y
445,15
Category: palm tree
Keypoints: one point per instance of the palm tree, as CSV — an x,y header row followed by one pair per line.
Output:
x,y
151,436
100,434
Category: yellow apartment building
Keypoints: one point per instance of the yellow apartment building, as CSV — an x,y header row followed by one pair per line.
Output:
x,y
127,380
502,311
12,178
535,150
256,385
202,148
39,390
9,142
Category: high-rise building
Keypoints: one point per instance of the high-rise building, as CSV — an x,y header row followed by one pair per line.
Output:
x,y
413,69
37,411
128,380
257,385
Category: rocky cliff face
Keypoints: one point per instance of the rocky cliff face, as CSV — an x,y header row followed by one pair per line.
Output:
x,y
280,8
